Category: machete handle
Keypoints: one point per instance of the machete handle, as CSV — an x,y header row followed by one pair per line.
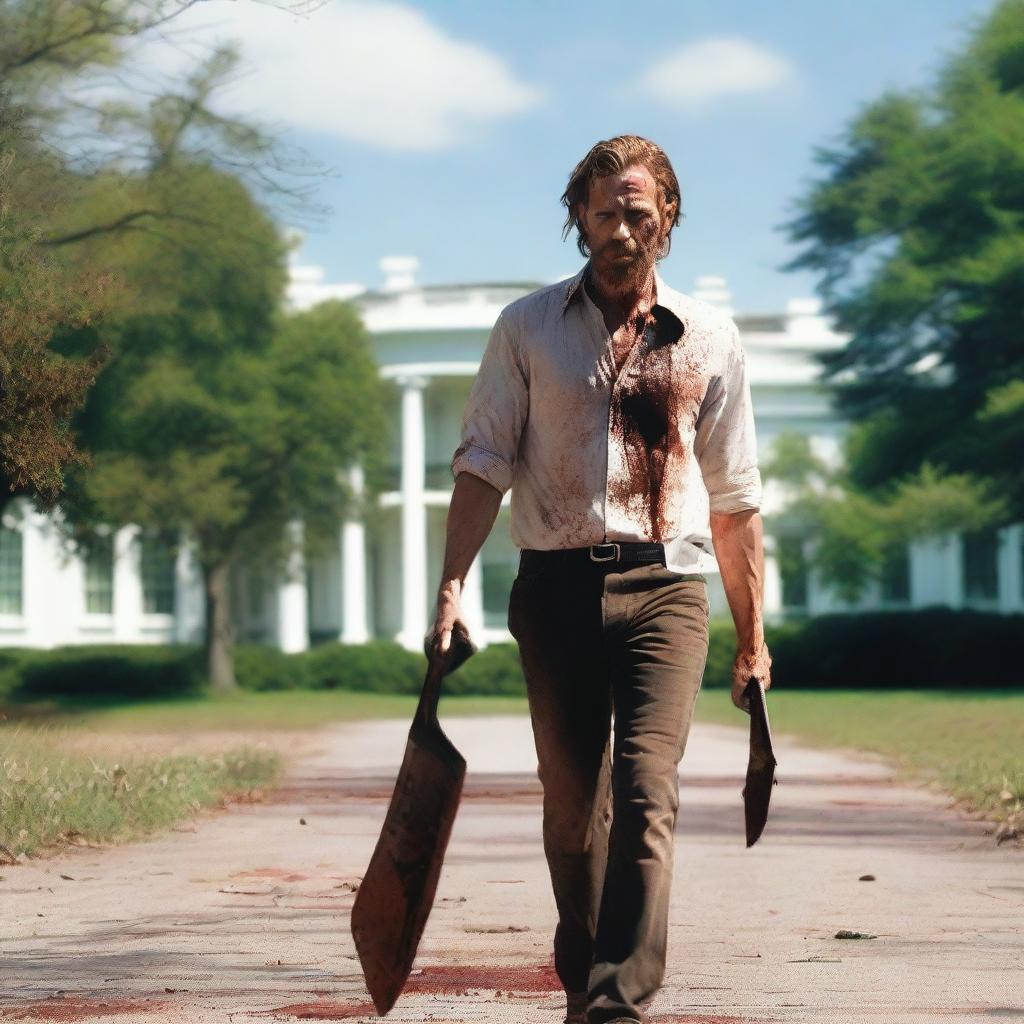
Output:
x,y
459,649
440,665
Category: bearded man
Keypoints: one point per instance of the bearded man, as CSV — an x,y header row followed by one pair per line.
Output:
x,y
618,412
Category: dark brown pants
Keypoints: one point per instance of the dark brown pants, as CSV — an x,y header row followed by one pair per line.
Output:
x,y
593,642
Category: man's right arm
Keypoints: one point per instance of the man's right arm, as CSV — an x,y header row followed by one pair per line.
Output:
x,y
471,514
482,465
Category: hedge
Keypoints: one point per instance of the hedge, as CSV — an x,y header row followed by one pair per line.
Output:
x,y
104,671
934,647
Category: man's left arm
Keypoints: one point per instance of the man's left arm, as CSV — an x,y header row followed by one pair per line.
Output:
x,y
725,446
738,538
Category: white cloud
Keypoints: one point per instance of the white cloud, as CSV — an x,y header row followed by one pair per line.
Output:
x,y
703,71
373,72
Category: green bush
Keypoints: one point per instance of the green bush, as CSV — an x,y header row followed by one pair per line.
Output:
x,y
11,660
379,666
494,670
928,648
260,667
107,671
721,652
934,647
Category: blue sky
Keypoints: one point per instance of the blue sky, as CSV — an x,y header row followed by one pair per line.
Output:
x,y
452,125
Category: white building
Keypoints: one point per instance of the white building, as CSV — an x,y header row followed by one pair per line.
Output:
x,y
381,579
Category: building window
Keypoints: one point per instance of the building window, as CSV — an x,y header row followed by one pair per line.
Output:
x,y
99,576
10,571
157,560
895,578
793,571
980,555
497,587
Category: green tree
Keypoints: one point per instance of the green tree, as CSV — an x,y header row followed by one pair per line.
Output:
x,y
55,196
917,231
855,532
218,415
42,290
39,294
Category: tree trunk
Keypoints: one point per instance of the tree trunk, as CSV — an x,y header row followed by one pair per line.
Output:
x,y
220,663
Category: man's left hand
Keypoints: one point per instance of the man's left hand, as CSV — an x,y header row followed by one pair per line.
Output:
x,y
756,664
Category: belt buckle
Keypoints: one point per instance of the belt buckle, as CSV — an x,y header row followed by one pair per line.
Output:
x,y
615,556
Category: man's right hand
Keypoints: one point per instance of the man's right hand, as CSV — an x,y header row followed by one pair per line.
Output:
x,y
449,596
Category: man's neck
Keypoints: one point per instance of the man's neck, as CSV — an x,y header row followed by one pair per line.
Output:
x,y
618,307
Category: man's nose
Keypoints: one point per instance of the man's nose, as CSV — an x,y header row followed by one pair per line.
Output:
x,y
621,232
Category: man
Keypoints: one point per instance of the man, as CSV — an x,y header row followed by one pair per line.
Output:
x,y
618,412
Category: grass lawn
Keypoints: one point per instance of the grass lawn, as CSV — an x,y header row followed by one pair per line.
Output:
x,y
103,771
276,709
67,784
110,772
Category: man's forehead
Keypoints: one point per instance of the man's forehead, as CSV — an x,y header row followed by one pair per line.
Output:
x,y
632,181
635,182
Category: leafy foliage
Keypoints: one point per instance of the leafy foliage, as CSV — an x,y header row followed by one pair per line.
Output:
x,y
40,293
125,172
854,531
917,231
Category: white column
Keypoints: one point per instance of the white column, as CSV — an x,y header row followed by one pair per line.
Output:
x,y
927,571
472,602
954,570
41,600
128,605
936,571
354,629
189,594
292,597
821,599
414,516
1009,568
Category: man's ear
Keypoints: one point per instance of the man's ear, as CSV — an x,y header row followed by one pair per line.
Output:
x,y
668,208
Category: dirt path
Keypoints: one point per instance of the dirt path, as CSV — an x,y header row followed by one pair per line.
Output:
x,y
245,916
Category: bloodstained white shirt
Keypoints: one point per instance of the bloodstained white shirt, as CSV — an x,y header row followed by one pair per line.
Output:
x,y
591,456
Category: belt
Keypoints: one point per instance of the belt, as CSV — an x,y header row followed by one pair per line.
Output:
x,y
613,552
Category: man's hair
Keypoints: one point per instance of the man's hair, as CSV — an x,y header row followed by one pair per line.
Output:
x,y
613,156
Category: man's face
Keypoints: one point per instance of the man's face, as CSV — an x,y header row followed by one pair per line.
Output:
x,y
624,221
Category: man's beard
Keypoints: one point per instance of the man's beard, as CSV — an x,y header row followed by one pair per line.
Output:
x,y
620,276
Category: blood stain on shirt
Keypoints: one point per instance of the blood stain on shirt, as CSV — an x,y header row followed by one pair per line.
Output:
x,y
649,405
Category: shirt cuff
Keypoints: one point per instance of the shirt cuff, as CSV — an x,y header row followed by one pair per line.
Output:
x,y
745,495
471,458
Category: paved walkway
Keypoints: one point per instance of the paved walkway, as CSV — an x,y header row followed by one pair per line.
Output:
x,y
244,916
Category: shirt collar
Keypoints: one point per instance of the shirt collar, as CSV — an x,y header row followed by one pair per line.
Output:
x,y
668,298
573,285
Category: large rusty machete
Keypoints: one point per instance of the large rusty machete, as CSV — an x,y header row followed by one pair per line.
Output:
x,y
396,894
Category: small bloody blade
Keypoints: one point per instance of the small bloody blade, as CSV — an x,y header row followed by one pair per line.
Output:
x,y
761,764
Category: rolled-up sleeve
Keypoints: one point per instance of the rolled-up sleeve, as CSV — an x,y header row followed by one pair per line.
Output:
x,y
725,444
495,412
